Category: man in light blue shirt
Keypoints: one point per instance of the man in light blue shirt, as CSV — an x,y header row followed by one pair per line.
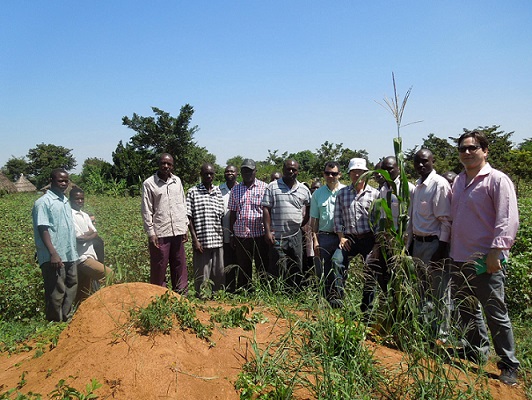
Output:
x,y
322,222
55,240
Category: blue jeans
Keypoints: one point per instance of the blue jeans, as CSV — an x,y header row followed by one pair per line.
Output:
x,y
488,290
363,247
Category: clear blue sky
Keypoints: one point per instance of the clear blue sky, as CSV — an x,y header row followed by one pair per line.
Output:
x,y
261,75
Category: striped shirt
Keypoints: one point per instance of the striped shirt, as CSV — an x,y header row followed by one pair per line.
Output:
x,y
351,211
246,202
286,206
206,210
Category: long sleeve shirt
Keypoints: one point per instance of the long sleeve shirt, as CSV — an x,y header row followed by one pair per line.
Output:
x,y
351,210
164,207
484,214
430,208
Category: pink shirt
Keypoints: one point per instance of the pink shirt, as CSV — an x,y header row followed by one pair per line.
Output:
x,y
484,214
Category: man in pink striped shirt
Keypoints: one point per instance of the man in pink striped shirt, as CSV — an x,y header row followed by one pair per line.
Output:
x,y
484,224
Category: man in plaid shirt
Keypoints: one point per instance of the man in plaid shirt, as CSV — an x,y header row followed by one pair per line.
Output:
x,y
352,225
205,209
246,224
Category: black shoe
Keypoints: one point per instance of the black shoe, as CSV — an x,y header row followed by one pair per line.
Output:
x,y
508,376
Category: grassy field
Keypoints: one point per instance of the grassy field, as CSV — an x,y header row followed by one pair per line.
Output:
x,y
334,339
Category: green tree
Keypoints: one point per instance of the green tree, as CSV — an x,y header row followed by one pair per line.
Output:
x,y
132,165
445,156
164,133
348,154
95,175
307,161
46,157
525,145
235,161
16,166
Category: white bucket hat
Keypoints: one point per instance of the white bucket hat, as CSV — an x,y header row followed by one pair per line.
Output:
x,y
357,163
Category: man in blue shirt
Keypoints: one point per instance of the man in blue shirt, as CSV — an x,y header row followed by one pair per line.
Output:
x,y
55,240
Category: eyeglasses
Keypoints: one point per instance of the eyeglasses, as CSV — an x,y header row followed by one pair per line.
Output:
x,y
331,173
472,148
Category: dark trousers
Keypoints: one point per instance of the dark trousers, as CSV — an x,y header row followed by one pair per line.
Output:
x,y
171,251
247,250
362,246
286,260
60,289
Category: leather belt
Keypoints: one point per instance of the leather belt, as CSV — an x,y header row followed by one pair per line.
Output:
x,y
358,237
326,233
425,239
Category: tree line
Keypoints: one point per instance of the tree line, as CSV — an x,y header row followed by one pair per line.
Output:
x,y
136,159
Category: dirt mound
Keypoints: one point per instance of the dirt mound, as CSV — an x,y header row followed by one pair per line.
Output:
x,y
100,344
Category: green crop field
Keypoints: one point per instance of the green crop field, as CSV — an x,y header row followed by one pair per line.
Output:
x,y
119,223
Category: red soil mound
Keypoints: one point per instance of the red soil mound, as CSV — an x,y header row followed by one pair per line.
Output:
x,y
100,344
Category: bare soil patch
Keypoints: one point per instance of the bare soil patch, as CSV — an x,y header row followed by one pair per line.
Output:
x,y
100,344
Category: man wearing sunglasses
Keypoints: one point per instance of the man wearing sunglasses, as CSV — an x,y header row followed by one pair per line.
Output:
x,y
322,222
352,225
484,225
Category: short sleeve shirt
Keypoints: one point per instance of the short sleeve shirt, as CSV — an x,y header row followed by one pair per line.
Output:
x,y
206,208
286,206
246,202
54,212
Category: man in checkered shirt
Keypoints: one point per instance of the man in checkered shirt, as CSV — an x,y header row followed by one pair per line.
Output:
x,y
352,225
205,209
247,227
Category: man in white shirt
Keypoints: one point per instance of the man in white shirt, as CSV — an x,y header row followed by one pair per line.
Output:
x,y
429,234
91,272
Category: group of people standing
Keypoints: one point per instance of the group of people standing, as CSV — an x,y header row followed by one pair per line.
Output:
x,y
459,235
454,229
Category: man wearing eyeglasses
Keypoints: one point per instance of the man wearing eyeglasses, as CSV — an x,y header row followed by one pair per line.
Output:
x,y
322,222
352,225
485,220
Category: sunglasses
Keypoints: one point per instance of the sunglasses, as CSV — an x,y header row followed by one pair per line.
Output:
x,y
331,173
472,148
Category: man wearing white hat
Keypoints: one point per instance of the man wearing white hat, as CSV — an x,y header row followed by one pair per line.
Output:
x,y
352,225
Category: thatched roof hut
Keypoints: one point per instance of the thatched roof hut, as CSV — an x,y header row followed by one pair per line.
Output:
x,y
6,185
24,185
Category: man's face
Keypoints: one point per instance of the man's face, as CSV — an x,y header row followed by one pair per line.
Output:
x,y
315,186
59,182
473,156
230,174
207,175
423,163
78,202
290,170
331,175
354,174
391,167
166,166
248,175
